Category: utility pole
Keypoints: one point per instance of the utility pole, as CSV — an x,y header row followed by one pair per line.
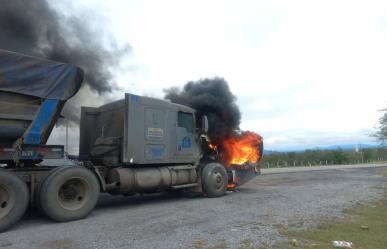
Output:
x,y
362,156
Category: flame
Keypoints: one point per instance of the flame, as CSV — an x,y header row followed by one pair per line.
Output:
x,y
242,148
212,146
231,185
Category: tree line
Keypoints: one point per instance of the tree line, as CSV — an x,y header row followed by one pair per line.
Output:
x,y
324,157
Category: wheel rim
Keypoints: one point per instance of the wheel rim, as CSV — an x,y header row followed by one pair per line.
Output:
x,y
217,179
7,200
73,194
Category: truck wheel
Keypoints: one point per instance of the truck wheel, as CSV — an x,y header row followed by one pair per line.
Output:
x,y
214,179
14,197
69,193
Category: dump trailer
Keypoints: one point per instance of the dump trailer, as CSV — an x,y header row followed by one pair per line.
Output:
x,y
134,145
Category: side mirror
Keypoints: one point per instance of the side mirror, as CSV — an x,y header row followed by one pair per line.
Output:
x,y
204,124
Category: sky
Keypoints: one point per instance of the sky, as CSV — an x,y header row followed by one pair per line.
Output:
x,y
305,73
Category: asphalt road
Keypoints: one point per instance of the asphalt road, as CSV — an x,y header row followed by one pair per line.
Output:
x,y
249,217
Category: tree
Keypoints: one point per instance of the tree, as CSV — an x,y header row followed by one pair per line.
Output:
x,y
381,134
339,157
367,154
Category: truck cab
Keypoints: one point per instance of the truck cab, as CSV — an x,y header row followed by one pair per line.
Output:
x,y
139,130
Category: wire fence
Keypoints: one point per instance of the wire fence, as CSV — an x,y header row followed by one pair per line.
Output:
x,y
295,163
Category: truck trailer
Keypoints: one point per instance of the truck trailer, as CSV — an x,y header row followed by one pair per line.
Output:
x,y
134,145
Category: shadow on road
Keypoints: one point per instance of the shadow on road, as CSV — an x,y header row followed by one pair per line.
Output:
x,y
107,201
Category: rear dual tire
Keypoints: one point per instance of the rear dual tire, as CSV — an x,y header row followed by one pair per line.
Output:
x,y
69,193
14,198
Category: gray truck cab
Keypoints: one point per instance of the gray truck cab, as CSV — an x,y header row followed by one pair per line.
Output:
x,y
139,130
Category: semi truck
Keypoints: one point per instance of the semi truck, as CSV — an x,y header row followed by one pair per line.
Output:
x,y
135,145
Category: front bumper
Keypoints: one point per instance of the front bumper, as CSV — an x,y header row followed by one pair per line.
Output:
x,y
241,174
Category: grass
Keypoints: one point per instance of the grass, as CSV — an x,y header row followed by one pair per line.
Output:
x,y
200,243
384,173
366,227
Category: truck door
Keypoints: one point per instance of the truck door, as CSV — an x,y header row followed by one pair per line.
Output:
x,y
185,134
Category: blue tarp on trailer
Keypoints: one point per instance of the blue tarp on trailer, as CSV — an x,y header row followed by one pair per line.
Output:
x,y
37,77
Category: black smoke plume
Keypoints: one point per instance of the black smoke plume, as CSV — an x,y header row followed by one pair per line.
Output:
x,y
33,27
213,98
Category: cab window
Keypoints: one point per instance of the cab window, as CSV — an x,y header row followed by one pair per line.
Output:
x,y
185,120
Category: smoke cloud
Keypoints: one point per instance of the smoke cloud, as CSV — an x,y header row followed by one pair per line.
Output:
x,y
213,98
35,28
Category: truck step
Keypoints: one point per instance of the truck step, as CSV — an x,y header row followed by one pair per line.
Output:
x,y
185,186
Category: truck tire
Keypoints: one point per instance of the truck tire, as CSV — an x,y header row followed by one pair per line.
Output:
x,y
14,198
69,193
214,180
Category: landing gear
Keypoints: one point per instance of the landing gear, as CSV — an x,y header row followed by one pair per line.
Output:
x,y
214,179
14,197
69,193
